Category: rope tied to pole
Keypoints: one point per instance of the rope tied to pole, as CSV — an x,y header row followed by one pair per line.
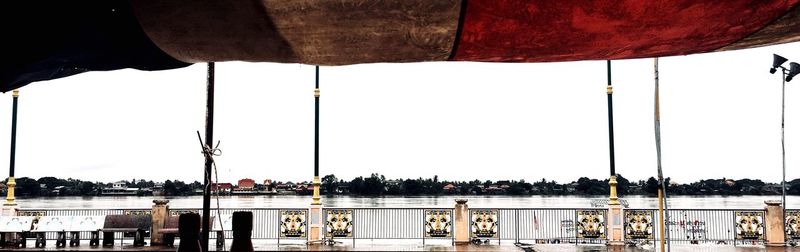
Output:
x,y
209,154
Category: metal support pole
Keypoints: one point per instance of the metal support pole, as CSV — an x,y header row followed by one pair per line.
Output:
x,y
207,171
662,189
612,181
10,199
783,143
315,197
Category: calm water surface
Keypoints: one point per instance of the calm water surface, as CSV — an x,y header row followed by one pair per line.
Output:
x,y
264,201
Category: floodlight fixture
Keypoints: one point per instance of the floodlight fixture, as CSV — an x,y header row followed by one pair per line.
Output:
x,y
794,69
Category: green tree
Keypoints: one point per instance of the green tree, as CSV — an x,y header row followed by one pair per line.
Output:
x,y
330,184
373,185
170,189
87,188
651,186
412,187
357,186
27,187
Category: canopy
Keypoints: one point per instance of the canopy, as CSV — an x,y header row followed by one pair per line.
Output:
x,y
45,40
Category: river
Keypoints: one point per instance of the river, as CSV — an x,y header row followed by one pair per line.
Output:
x,y
285,201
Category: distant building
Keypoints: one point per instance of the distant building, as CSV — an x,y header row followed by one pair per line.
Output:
x,y
393,182
119,188
158,189
730,182
269,187
246,184
221,188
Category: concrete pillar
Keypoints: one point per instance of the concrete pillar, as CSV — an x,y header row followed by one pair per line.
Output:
x,y
315,225
8,211
461,221
615,225
774,223
159,215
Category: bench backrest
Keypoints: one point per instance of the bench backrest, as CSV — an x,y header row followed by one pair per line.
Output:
x,y
87,223
51,223
172,221
15,223
128,221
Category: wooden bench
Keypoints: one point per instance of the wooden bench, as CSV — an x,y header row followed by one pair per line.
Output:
x,y
138,225
170,230
91,224
17,226
41,225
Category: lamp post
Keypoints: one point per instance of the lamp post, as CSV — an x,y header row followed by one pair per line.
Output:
x,y
612,181
315,198
11,182
787,75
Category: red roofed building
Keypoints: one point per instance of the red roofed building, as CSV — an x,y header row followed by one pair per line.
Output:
x,y
246,184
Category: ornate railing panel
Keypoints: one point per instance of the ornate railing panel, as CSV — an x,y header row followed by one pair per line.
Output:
x,y
697,226
792,226
539,225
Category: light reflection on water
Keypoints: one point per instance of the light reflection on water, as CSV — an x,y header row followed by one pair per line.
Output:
x,y
284,201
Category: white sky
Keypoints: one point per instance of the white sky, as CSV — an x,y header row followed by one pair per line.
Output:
x,y
458,120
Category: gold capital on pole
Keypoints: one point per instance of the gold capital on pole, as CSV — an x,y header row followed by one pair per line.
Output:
x,y
10,197
15,93
612,199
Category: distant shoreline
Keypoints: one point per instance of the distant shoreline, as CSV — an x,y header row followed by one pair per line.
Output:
x,y
377,185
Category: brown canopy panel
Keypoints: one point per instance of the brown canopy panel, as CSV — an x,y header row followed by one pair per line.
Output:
x,y
152,34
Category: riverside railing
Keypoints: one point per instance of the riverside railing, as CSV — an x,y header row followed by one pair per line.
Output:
x,y
539,225
697,226
388,223
535,225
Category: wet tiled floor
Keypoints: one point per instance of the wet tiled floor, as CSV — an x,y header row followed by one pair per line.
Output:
x,y
415,246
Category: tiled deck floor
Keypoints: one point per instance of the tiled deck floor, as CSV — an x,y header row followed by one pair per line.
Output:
x,y
416,246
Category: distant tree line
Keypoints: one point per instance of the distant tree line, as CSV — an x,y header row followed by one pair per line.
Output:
x,y
51,186
378,185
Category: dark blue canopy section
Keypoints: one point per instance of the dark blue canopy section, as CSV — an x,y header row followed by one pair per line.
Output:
x,y
44,40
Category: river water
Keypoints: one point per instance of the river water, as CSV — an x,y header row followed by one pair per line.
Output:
x,y
286,201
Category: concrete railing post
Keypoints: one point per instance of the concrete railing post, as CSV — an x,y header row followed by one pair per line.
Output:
x,y
9,211
315,223
616,238
461,216
159,215
773,224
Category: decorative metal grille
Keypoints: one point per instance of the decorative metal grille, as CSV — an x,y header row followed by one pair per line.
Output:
x,y
137,212
638,224
179,212
438,223
484,224
749,225
339,223
591,224
792,225
293,224
31,213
